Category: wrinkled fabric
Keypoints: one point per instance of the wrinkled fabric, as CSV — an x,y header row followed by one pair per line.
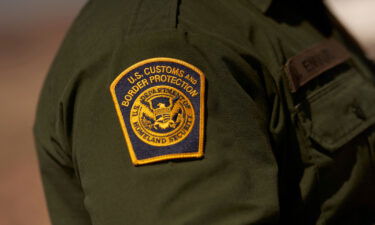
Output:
x,y
271,157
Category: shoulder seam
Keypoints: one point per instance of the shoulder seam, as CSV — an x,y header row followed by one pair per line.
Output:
x,y
148,16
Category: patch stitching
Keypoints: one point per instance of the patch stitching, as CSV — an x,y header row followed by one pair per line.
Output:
x,y
134,159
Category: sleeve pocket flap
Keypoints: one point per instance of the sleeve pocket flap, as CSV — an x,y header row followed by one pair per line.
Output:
x,y
339,111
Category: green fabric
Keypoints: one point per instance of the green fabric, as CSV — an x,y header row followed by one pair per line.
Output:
x,y
262,5
271,157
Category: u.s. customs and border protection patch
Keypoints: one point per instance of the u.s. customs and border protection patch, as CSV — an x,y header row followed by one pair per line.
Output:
x,y
160,105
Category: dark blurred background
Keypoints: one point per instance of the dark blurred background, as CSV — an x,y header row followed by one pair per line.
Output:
x,y
30,33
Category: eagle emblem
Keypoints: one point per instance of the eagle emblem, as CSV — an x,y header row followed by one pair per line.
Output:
x,y
164,116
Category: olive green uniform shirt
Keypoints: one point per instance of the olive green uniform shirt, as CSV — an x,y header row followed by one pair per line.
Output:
x,y
270,156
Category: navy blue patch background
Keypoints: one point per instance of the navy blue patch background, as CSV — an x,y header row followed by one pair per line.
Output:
x,y
143,150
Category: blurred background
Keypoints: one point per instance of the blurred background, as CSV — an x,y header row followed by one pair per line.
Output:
x,y
30,33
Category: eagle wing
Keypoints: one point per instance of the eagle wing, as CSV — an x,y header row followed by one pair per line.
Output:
x,y
147,111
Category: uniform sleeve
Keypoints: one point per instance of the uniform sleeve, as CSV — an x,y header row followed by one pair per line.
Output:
x,y
64,195
61,184
236,180
86,163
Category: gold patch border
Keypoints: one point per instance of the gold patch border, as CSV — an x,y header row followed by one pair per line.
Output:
x,y
133,156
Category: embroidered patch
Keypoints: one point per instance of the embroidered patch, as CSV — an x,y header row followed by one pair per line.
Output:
x,y
313,62
160,105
